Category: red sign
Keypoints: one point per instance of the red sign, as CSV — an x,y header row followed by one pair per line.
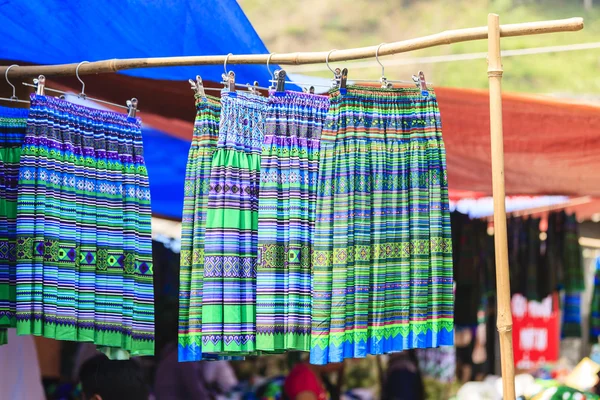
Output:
x,y
535,331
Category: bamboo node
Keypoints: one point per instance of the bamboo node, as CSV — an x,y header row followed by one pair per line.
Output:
x,y
507,328
495,73
113,65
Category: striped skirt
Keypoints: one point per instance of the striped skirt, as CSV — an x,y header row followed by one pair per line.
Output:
x,y
382,260
230,247
286,216
84,262
13,122
204,143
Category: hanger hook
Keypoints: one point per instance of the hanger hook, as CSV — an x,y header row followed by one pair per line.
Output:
x,y
225,63
327,60
379,62
14,95
82,94
268,62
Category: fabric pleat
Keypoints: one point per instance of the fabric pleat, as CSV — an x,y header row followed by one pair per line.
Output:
x,y
13,123
231,238
286,216
84,253
382,260
204,143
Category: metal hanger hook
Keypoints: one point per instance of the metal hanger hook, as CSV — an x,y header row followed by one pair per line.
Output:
x,y
82,94
327,60
14,95
268,62
379,62
225,63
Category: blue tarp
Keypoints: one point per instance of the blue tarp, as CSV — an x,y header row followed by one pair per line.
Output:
x,y
166,158
70,31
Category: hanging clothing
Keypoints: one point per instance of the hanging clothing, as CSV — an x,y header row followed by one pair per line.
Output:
x,y
571,315
286,216
382,265
555,244
532,291
13,122
231,238
573,257
191,275
469,255
595,306
84,257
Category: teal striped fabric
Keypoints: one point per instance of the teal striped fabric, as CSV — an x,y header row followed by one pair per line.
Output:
x,y
13,122
382,260
84,262
286,218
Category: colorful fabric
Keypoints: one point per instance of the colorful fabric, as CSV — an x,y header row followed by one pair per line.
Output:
x,y
231,238
13,122
191,274
382,265
286,217
571,324
595,306
84,262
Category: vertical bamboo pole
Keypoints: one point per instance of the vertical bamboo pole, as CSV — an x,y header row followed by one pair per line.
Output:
x,y
504,321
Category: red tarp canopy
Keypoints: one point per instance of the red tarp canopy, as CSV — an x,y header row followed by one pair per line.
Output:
x,y
551,146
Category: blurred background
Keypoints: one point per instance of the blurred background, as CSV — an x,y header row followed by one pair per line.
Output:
x,y
552,141
311,25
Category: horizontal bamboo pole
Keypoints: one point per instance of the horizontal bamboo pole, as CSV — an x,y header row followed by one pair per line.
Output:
x,y
446,37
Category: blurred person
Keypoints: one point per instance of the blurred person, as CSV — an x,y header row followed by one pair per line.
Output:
x,y
219,377
403,379
20,374
176,380
179,381
104,379
311,382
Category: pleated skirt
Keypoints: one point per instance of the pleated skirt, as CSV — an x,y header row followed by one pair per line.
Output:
x,y
13,122
231,238
84,257
382,259
197,179
286,217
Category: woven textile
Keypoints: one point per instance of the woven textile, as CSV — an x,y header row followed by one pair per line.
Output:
x,y
286,216
595,306
204,143
229,287
13,122
382,266
84,262
571,316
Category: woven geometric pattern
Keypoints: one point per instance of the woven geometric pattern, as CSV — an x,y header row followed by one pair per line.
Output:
x,y
231,238
191,273
13,123
382,259
286,216
84,262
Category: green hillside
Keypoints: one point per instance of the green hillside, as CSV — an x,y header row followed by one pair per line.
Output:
x,y
310,25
